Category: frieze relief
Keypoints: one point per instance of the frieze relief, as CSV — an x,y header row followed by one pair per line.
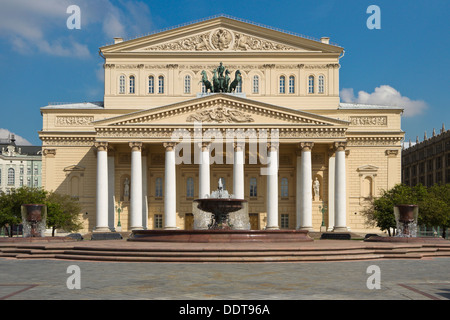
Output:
x,y
73,121
368,121
220,114
221,40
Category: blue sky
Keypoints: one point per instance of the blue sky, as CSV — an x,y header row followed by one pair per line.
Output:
x,y
405,62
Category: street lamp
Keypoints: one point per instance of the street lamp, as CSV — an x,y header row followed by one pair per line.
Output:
x,y
119,210
323,208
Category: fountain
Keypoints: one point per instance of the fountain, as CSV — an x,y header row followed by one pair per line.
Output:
x,y
406,222
219,204
34,218
220,218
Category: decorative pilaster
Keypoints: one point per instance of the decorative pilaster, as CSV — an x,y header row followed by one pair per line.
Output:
x,y
204,173
170,199
136,186
340,189
238,170
272,187
101,224
331,183
305,186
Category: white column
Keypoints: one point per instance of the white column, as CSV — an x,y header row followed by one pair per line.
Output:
x,y
111,204
306,186
204,175
272,187
170,199
298,191
331,178
144,192
238,170
340,197
101,224
136,186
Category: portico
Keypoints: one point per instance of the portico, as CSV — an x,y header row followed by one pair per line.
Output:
x,y
221,99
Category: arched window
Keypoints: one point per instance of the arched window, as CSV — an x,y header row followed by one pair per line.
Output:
x,y
161,84
11,176
122,84
255,84
291,84
158,188
282,84
190,187
253,187
151,84
132,84
311,84
321,84
187,84
239,86
284,188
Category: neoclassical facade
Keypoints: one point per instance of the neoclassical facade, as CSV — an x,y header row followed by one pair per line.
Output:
x,y
281,140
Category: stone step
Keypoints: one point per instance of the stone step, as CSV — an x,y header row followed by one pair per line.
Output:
x,y
219,259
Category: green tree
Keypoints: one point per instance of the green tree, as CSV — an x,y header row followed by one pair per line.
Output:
x,y
435,209
63,212
381,211
10,204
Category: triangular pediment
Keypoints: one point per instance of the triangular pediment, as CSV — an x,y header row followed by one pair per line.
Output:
x,y
221,34
368,168
74,168
221,110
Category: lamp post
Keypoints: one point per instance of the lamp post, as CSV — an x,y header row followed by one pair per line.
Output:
x,y
323,208
119,210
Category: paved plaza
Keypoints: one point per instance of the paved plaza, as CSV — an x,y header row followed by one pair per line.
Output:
x,y
399,280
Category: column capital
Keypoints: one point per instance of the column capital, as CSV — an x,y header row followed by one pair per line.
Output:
x,y
306,146
340,146
271,146
239,146
169,146
101,146
135,146
204,145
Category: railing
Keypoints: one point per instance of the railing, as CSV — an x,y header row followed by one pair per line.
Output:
x,y
17,230
435,232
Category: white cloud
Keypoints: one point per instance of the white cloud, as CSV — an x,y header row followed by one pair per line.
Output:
x,y
5,135
40,26
385,95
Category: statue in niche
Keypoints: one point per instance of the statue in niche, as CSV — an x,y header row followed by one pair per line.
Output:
x,y
126,190
316,188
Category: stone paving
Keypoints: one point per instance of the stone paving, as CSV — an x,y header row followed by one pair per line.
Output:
x,y
426,279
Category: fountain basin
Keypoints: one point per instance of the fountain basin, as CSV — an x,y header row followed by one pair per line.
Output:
x,y
220,236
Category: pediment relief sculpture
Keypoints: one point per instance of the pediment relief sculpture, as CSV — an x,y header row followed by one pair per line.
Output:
x,y
221,40
220,114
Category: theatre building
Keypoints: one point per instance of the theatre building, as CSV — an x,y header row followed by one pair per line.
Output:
x,y
158,140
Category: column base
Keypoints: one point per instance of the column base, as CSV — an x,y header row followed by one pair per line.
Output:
x,y
306,228
101,229
136,228
340,229
170,228
273,228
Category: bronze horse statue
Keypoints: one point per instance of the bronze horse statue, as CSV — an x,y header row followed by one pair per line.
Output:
x,y
206,82
235,82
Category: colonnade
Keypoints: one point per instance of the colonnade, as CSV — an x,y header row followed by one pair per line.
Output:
x,y
137,218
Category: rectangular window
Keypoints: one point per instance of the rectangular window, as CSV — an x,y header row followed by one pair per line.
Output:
x,y
253,187
284,223
291,84
161,84
151,84
158,221
311,84
321,84
255,84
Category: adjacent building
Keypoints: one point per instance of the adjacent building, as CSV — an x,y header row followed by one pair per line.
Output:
x,y
427,162
153,144
19,165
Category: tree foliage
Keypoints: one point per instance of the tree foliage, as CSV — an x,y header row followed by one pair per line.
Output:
x,y
62,210
433,202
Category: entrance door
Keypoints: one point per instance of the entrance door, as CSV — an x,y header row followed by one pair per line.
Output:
x,y
188,221
254,221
